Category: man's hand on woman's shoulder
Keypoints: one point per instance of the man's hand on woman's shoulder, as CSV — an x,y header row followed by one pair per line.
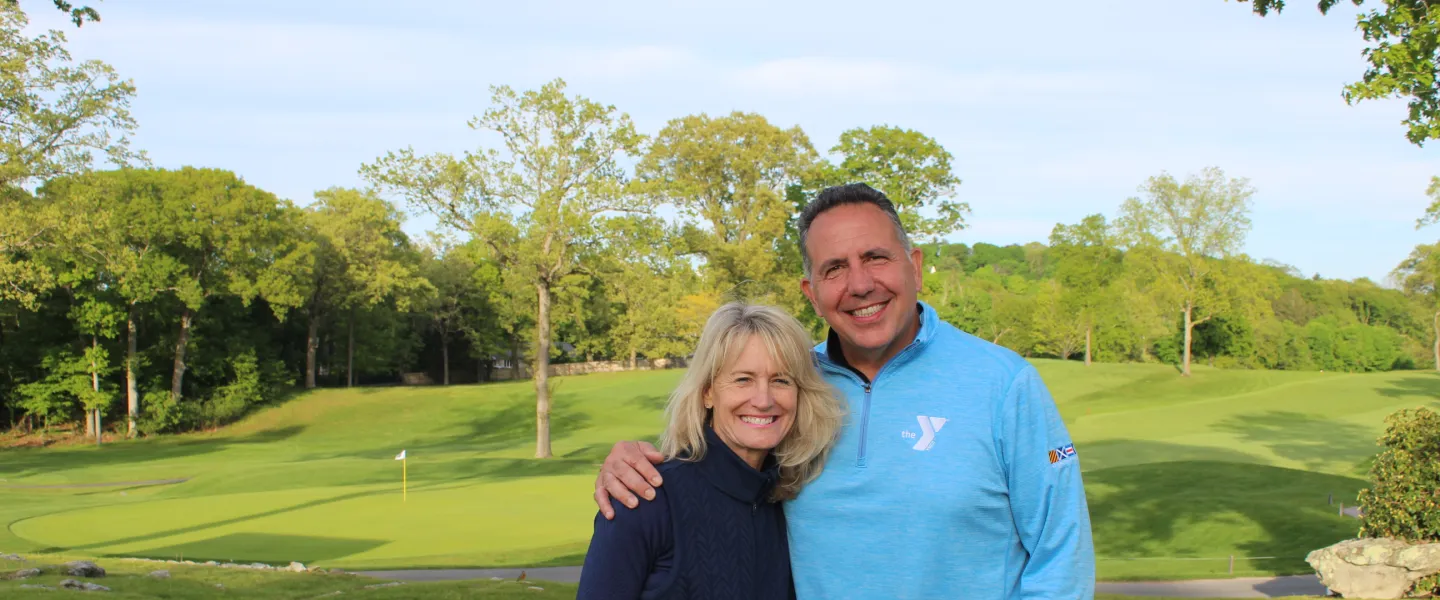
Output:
x,y
629,470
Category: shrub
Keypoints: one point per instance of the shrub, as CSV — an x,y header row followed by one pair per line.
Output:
x,y
1403,501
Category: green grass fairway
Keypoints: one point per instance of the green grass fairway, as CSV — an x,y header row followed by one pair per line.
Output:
x,y
1225,463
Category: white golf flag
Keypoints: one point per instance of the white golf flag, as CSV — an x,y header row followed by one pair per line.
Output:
x,y
401,456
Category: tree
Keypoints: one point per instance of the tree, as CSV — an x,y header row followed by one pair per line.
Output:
x,y
647,281
123,237
1086,262
230,238
1055,328
912,169
1182,232
57,115
535,207
78,14
1419,274
361,258
732,173
1404,58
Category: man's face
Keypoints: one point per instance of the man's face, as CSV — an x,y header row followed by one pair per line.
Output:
x,y
861,280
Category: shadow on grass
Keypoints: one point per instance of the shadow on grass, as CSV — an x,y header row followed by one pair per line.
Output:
x,y
1141,510
1108,454
1315,442
1417,386
156,535
262,547
19,463
653,402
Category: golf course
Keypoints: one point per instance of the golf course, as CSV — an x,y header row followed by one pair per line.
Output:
x,y
1181,473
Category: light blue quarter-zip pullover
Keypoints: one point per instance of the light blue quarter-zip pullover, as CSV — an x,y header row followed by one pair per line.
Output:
x,y
954,478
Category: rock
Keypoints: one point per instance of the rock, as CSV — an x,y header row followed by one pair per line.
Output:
x,y
218,586
296,567
384,585
26,586
337,572
260,566
160,574
497,579
23,573
211,563
535,589
83,568
14,557
71,584
1374,568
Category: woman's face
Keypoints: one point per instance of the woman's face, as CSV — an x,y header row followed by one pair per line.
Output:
x,y
754,405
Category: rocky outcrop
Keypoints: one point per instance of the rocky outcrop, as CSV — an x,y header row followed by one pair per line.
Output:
x,y
1374,568
83,568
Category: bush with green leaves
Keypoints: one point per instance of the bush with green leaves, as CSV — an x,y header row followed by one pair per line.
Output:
x,y
1403,501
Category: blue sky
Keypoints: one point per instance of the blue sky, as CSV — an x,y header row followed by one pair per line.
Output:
x,y
1050,116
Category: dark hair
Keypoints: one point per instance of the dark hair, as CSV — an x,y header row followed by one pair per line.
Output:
x,y
840,195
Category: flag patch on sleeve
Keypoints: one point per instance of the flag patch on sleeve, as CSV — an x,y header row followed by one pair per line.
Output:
x,y
1062,453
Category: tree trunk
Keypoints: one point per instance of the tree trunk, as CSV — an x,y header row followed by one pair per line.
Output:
x,y
1088,329
445,358
515,357
632,359
95,383
1185,362
542,370
177,377
350,355
132,389
312,344
1437,341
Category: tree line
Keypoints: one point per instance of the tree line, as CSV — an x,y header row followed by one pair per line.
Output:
x,y
156,300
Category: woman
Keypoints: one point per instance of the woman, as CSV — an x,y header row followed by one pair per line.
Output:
x,y
749,424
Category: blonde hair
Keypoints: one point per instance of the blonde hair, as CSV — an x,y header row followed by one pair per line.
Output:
x,y
818,410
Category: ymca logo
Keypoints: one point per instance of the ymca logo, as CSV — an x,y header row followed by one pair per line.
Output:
x,y
928,427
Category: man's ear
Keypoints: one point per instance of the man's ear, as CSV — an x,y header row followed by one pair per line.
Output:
x,y
917,260
809,290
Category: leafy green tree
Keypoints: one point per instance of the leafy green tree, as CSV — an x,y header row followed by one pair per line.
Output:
x,y
1182,232
58,115
1056,327
78,14
535,207
1403,57
1086,262
1419,274
912,169
361,258
732,173
122,237
231,239
647,280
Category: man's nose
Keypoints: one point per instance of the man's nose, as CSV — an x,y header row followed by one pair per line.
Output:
x,y
858,281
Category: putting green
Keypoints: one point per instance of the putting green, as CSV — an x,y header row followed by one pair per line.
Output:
x,y
438,524
1240,463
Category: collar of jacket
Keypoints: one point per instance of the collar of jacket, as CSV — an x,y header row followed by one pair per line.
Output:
x,y
830,356
732,475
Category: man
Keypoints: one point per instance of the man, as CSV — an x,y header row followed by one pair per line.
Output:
x,y
954,476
